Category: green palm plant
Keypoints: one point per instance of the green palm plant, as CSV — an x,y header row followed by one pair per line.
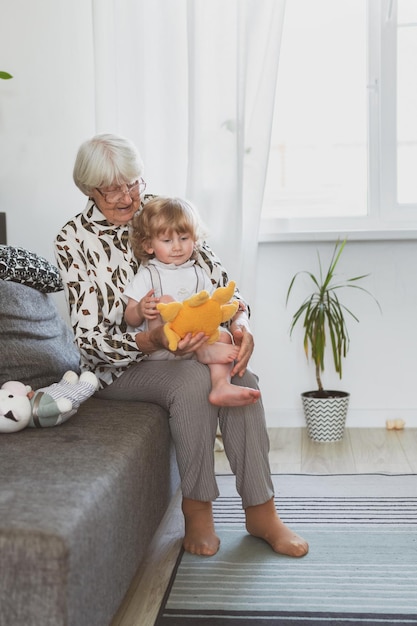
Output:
x,y
5,75
323,314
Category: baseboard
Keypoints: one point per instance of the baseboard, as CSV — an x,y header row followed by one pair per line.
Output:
x,y
356,418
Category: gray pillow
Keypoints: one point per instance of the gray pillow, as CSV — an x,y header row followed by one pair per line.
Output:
x,y
28,268
36,346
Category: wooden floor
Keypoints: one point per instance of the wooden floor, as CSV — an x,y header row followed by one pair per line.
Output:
x,y
362,450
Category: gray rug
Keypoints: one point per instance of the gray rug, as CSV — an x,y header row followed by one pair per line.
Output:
x,y
361,568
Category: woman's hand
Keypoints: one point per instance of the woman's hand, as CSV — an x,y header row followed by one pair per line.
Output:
x,y
191,343
244,339
149,341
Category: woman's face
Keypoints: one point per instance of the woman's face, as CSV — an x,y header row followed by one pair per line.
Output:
x,y
118,203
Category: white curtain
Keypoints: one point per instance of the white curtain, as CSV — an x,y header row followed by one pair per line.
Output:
x,y
192,82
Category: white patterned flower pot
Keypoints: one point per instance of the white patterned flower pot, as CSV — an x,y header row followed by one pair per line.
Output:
x,y
325,413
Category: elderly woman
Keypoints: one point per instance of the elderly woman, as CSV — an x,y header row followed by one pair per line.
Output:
x,y
96,263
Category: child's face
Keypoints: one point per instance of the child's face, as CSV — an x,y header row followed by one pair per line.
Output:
x,y
172,247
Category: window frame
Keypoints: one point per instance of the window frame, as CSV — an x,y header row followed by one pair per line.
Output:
x,y
386,218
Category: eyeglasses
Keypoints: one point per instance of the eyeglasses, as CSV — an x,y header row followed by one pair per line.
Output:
x,y
135,190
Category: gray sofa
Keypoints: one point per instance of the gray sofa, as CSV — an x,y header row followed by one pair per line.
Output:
x,y
79,502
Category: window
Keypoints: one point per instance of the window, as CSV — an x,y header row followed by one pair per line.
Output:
x,y
343,149
406,102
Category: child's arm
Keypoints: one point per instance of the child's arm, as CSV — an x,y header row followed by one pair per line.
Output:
x,y
136,312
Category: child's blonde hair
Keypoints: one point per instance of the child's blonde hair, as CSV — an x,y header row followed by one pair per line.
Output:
x,y
159,215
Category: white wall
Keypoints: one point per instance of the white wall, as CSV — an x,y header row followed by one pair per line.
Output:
x,y
46,110
45,113
380,369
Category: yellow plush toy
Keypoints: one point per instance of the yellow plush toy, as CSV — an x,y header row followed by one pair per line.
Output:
x,y
200,313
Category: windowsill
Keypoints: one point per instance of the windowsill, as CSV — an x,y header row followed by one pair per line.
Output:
x,y
355,229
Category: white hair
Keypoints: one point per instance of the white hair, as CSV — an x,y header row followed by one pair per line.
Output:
x,y
106,160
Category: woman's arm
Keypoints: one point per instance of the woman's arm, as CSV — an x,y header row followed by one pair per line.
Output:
x,y
243,337
212,265
95,303
151,340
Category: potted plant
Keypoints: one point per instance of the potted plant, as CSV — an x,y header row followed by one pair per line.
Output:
x,y
324,321
5,75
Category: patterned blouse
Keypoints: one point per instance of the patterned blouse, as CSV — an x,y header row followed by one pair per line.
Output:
x,y
96,263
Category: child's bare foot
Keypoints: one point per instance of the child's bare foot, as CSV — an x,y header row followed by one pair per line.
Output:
x,y
224,393
263,521
200,537
217,353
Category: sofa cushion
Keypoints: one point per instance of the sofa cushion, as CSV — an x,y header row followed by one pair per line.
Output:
x,y
79,505
28,268
37,347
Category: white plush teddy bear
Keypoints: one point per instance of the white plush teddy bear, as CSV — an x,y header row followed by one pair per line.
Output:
x,y
15,407
48,406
